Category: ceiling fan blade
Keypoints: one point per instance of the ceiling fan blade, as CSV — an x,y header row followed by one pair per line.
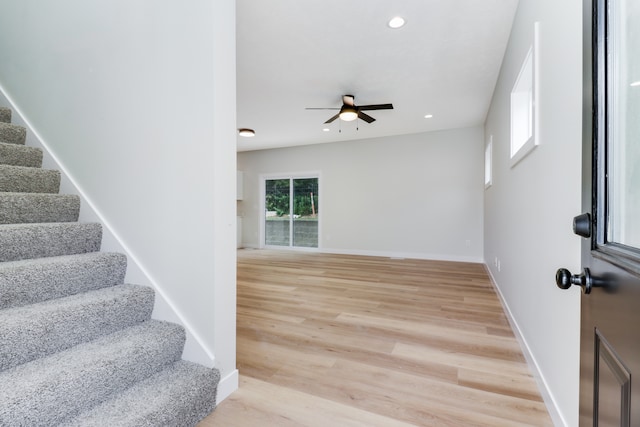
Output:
x,y
367,118
376,107
333,118
322,108
348,100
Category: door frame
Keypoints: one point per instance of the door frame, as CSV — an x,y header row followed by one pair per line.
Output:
x,y
262,206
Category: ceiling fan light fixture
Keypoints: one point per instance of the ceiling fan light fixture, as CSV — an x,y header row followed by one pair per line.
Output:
x,y
247,133
348,113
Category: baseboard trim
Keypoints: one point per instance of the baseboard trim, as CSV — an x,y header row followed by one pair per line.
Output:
x,y
547,397
409,255
227,385
386,254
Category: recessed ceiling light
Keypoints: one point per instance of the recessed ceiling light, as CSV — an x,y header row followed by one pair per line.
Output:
x,y
428,116
396,22
246,132
634,84
326,130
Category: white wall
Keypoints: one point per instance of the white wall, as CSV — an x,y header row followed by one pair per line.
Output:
x,y
417,196
136,101
529,208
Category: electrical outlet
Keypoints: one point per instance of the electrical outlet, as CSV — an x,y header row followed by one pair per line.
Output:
x,y
498,265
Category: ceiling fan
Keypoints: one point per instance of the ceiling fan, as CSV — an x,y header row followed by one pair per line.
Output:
x,y
350,111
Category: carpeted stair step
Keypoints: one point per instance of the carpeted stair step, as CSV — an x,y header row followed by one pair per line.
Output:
x,y
5,115
54,389
28,241
38,330
179,396
13,134
22,208
20,179
20,155
35,280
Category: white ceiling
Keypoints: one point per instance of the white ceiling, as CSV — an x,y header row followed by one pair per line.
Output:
x,y
293,54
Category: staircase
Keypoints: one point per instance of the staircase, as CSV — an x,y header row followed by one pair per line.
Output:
x,y
78,347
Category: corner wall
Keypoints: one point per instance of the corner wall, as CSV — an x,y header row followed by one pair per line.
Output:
x,y
530,206
414,196
132,101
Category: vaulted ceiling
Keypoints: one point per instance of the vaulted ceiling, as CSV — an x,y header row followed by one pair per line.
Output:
x,y
294,54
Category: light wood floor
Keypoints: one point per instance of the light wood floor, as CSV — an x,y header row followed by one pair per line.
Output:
x,y
335,340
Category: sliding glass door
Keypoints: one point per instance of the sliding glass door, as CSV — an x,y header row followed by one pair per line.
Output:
x,y
291,212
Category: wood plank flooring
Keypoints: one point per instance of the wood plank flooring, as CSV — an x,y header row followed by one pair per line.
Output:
x,y
336,340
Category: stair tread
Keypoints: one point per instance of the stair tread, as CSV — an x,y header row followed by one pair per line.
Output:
x,y
5,115
12,134
34,280
38,330
179,396
53,389
20,155
25,241
25,179
38,207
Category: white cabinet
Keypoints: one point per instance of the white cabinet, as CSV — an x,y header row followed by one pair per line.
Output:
x,y
239,185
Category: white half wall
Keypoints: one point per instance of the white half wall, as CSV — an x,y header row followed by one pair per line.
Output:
x,y
530,206
414,196
135,102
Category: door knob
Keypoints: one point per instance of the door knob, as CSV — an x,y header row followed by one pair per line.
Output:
x,y
564,279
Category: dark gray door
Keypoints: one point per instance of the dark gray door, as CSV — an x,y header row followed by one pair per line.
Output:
x,y
610,280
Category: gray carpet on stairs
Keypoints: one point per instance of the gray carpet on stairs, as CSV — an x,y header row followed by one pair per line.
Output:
x,y
179,396
24,241
77,346
20,179
53,389
21,208
12,134
5,115
35,280
19,155
38,330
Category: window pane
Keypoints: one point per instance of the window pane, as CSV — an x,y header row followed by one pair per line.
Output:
x,y
277,195
623,142
305,212
522,106
488,166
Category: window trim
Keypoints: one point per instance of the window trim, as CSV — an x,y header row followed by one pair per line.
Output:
x,y
530,64
488,163
624,257
290,176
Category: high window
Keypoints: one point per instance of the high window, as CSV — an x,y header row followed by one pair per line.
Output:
x,y
524,99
